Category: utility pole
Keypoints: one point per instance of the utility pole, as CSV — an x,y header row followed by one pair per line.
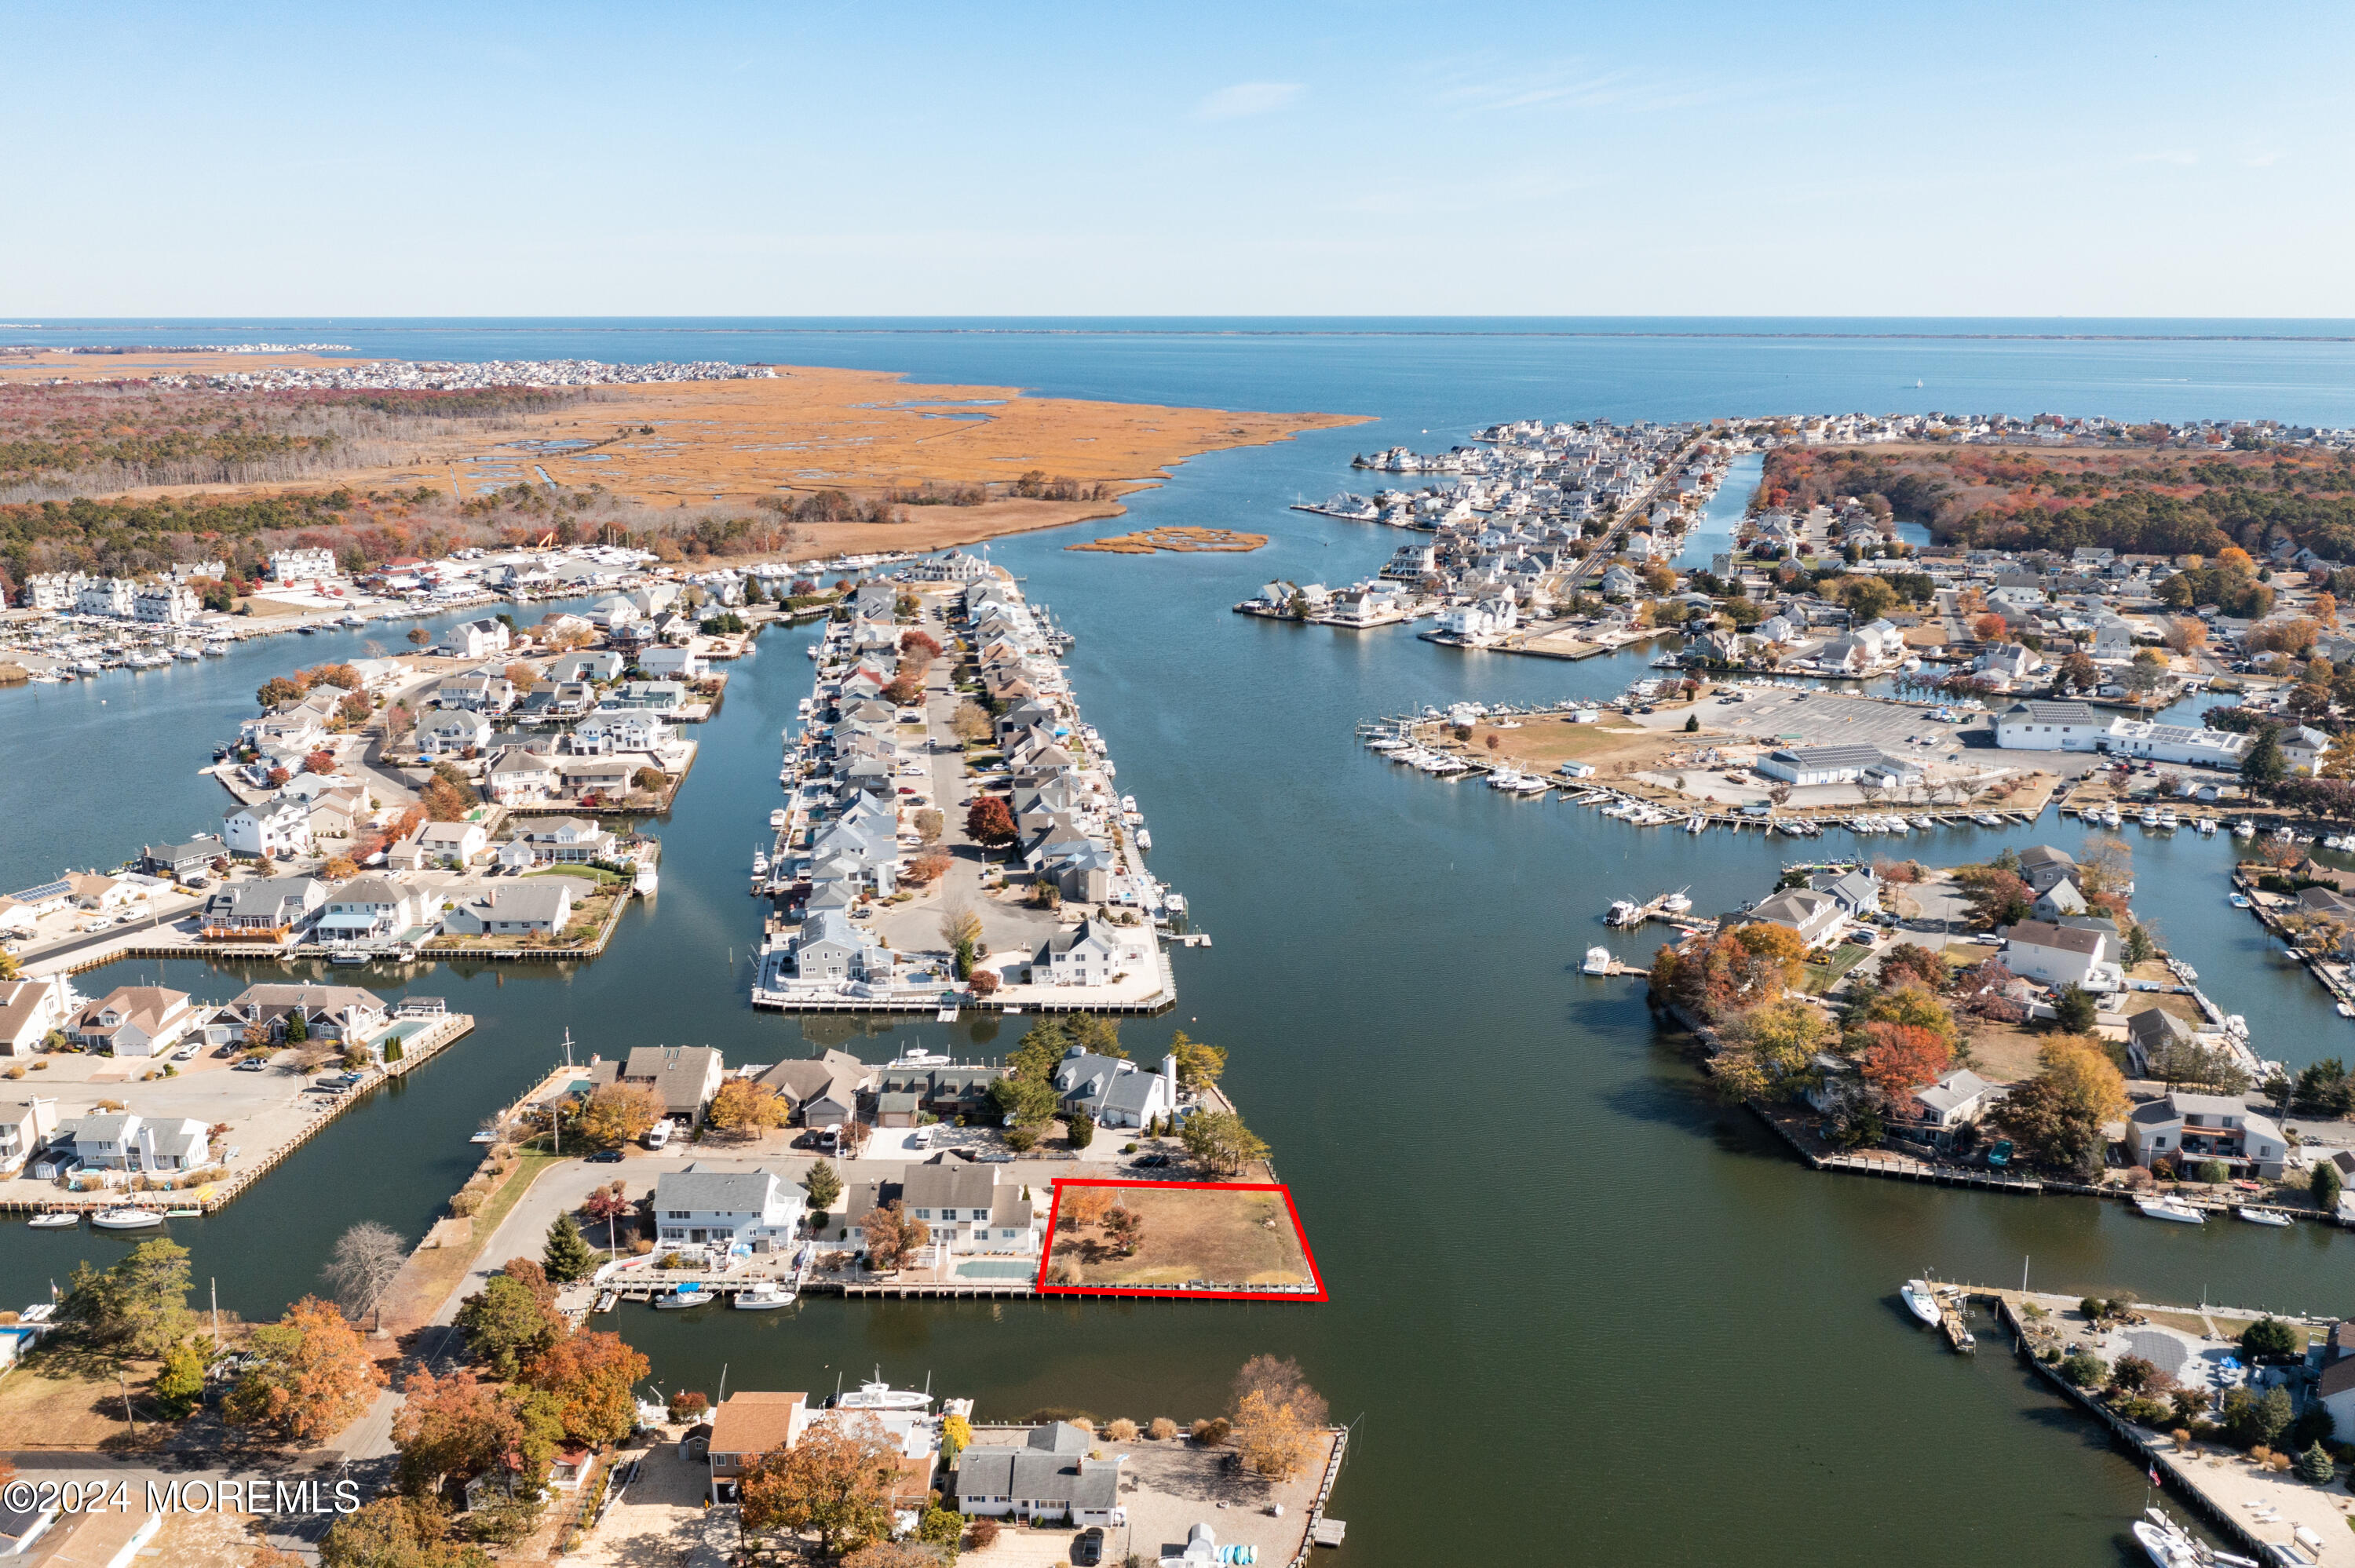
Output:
x,y
123,1383
215,1285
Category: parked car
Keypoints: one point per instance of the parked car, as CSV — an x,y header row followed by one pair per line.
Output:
x,y
1087,1548
606,1157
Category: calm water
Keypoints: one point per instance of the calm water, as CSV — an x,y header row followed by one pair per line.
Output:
x,y
1568,1289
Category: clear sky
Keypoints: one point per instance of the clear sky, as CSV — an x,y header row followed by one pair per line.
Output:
x,y
862,158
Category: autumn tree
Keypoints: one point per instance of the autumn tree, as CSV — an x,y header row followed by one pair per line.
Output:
x,y
2186,633
1990,628
1085,1207
1125,1228
893,1236
1198,1066
989,820
590,1374
961,930
616,1113
454,1428
969,723
742,1109
394,1531
1768,1049
1995,896
1276,1417
836,1483
1909,963
138,1306
320,761
1901,1057
311,1375
2057,1115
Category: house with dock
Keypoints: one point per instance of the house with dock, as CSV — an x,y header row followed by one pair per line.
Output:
x,y
755,1210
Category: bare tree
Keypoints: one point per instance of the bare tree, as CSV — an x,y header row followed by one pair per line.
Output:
x,y
363,1265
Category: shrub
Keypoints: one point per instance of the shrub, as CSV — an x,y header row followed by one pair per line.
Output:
x,y
1022,1139
1122,1431
466,1202
1211,1433
1162,1430
2093,1308
2083,1370
981,1534
2212,1171
2314,1466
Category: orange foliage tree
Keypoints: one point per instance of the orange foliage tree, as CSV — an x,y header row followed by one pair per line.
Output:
x,y
1902,1057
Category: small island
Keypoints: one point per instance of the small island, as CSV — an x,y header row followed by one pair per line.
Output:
x,y
1149,540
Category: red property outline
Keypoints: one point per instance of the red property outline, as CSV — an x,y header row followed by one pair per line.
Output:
x,y
1299,1230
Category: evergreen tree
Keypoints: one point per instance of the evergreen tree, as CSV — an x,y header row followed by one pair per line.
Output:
x,y
568,1256
297,1029
822,1185
182,1382
2314,1465
2324,1185
1081,1128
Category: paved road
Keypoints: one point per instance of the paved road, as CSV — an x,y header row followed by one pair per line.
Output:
x,y
37,961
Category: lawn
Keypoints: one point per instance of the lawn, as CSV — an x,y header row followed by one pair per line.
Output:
x,y
1230,1237
1822,977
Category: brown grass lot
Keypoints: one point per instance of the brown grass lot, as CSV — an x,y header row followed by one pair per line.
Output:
x,y
1191,1232
1544,743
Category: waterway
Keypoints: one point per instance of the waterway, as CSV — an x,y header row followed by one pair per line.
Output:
x,y
1580,1310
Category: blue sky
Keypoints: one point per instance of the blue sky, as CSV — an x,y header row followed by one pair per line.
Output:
x,y
1205,158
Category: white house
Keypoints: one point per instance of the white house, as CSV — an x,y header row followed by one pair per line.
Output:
x,y
699,1207
301,566
164,603
267,831
29,1009
2180,1127
475,638
1049,1477
1113,1091
1090,953
1486,621
539,906
133,1021
372,909
124,1140
2176,743
2059,955
452,733
671,663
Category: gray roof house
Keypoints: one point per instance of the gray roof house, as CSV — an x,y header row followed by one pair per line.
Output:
x,y
2150,1032
1050,1477
686,1076
2180,1127
1113,1091
1814,915
726,1208
822,1090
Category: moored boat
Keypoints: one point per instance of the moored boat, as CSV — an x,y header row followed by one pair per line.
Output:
x,y
765,1297
57,1220
684,1295
1598,962
1920,1301
2259,1217
127,1219
2174,1208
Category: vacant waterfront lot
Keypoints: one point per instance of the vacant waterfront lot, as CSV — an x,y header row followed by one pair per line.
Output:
x,y
1231,1237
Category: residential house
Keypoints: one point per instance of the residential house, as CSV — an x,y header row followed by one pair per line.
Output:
x,y
1816,917
342,1014
475,638
671,663
454,844
2041,865
2049,726
744,1428
686,1076
2059,955
193,858
2151,1034
133,1021
29,1010
1113,1091
558,841
1954,1101
25,1125
124,1140
476,693
1048,1478
822,1090
2179,1127
275,830
276,906
452,733
830,947
375,909
519,775
1093,952
539,908
726,1209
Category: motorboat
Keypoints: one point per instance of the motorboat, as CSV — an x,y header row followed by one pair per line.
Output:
x,y
1986,818
1675,903
1922,1301
683,1297
1622,913
347,955
2244,830
1924,824
2166,1548
2169,821
2110,818
127,1219
2151,816
2206,826
1696,823
877,1394
1145,838
1598,962
646,883
56,1220
2240,901
2259,1217
2174,1208
2347,1009
765,1297
777,818
760,863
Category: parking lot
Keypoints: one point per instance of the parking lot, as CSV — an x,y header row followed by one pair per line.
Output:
x,y
1835,718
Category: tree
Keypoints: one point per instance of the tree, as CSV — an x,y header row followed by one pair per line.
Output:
x,y
1996,896
989,820
742,1108
837,1483
615,1114
444,802
457,1427
2185,634
277,691
956,1435
508,1325
2057,1115
321,761
2314,1466
1198,1066
823,1185
1219,1141
1990,628
568,1256
298,1024
397,1531
1079,1130
365,1260
961,930
420,636
2075,1008
969,723
340,868
1125,1228
137,1308
2324,1184
2264,766
649,780
930,824
1903,1057
399,720
1277,1415
311,1377
2269,1338
1768,1048
591,1375
181,1383
893,1236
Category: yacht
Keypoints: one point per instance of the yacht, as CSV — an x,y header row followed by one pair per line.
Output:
x,y
127,1219
2245,829
2206,826
1696,822
760,863
2259,1217
1675,903
1987,820
1924,824
2110,818
1622,913
2165,1545
2174,1208
1145,838
1598,962
1921,1301
646,883
877,1394
2169,821
682,1296
777,818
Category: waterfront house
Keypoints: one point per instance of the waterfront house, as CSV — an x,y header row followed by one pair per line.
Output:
x,y
967,1207
374,909
558,841
606,776
600,667
476,693
133,1021
1816,917
726,1209
271,831
2059,902
2179,1127
269,910
1113,1091
2049,726
1048,1478
452,845
190,859
29,1010
2059,956
2303,748
2041,865
539,907
519,775
686,1076
830,947
823,1091
344,1013
903,1094
1954,1101
746,1426
2153,1032
669,663
611,730
124,1140
25,1125
1093,952
475,638
1857,891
